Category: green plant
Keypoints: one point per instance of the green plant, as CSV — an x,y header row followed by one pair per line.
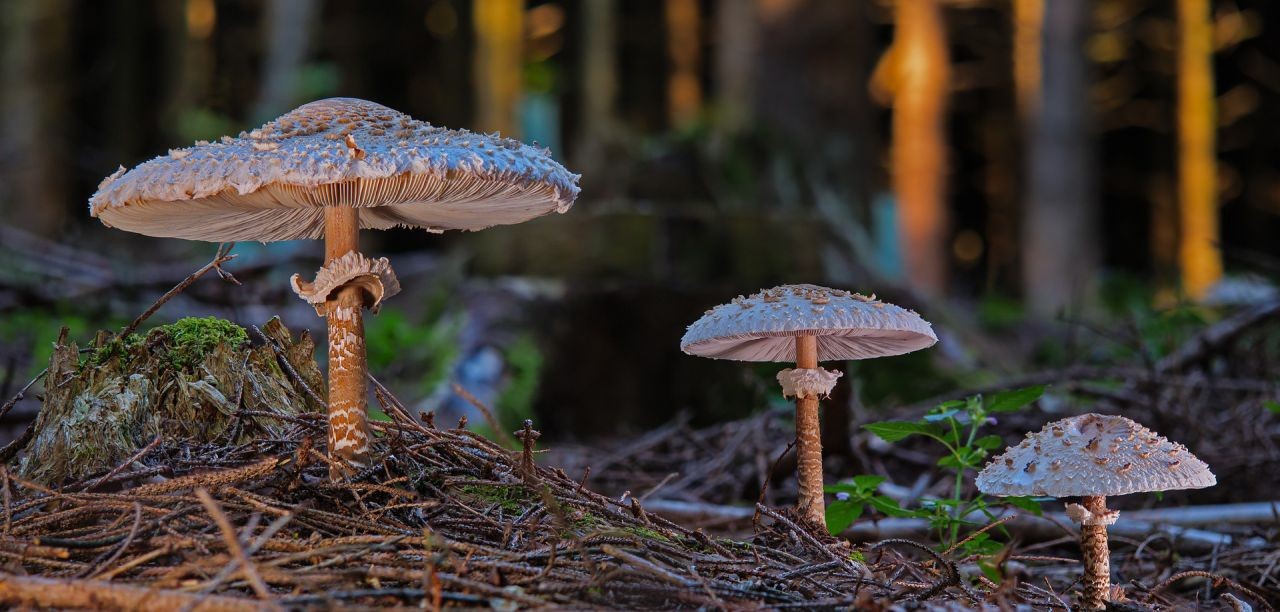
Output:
x,y
853,496
524,362
955,425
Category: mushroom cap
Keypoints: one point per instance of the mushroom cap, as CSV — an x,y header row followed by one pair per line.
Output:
x,y
1093,455
272,183
763,326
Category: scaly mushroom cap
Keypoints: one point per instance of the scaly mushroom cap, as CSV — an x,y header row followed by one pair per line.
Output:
x,y
272,183
1093,455
763,326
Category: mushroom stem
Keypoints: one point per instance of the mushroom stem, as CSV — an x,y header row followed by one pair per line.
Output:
x,y
1095,554
809,440
348,385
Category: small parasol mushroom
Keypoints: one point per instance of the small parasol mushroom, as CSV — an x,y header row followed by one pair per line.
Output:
x,y
325,170
1093,456
806,324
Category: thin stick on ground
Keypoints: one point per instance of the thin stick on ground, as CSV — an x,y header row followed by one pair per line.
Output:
x,y
233,545
215,265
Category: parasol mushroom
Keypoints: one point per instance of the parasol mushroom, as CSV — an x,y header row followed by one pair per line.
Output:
x,y
326,170
1093,456
806,324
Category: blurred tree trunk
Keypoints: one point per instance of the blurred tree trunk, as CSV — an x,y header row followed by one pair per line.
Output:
x,y
498,63
684,52
289,28
1028,30
33,161
919,73
192,23
1005,179
599,81
1198,254
1060,229
737,32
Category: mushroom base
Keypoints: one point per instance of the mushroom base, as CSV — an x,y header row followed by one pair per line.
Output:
x,y
1096,555
348,387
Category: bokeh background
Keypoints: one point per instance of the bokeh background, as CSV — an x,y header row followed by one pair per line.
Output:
x,y
1053,183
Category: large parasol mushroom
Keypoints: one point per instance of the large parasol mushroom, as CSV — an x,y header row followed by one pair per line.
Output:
x,y
806,324
326,170
1093,456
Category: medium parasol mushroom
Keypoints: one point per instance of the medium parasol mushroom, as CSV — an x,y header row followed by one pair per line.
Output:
x,y
325,170
806,324
1093,456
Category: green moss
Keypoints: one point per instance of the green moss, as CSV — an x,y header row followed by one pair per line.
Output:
x,y
192,338
646,533
185,342
509,498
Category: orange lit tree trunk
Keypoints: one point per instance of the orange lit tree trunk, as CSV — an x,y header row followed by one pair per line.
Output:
x,y
1060,226
919,149
1028,30
348,384
498,63
684,90
808,440
1198,254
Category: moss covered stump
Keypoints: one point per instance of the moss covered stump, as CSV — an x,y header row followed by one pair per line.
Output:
x,y
198,380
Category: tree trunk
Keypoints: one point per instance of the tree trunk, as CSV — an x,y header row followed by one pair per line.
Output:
x,y
599,82
33,163
684,52
289,28
919,149
1198,254
498,64
1060,227
735,62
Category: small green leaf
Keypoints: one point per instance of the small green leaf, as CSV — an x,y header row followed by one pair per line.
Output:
x,y
991,572
867,482
1272,406
378,415
1012,401
889,507
893,431
842,514
1030,504
989,442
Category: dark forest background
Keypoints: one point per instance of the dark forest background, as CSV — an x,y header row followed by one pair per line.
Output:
x,y
1030,175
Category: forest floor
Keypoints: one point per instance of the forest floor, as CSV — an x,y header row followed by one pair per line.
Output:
x,y
447,517
245,517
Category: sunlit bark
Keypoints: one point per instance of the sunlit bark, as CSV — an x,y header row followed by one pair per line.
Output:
x,y
496,69
1028,24
1198,253
919,150
684,52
